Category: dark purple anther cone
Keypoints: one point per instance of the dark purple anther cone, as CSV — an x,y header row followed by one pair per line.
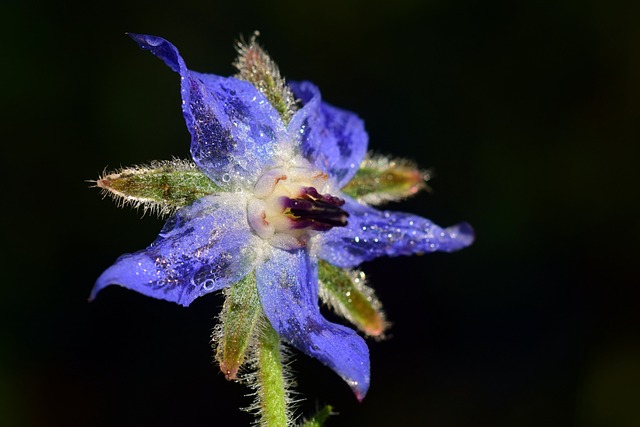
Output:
x,y
320,212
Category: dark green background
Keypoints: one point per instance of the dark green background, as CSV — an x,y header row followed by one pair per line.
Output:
x,y
527,113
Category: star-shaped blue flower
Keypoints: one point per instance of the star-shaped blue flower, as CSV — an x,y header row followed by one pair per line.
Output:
x,y
281,210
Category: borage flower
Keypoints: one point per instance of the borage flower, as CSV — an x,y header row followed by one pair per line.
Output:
x,y
267,209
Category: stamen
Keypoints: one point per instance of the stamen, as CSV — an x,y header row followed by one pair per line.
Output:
x,y
313,210
286,206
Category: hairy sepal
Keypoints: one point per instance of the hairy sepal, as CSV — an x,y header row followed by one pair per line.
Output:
x,y
256,66
234,338
161,187
380,180
345,292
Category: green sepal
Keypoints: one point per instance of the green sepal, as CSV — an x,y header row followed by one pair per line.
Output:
x,y
346,293
256,66
161,187
381,180
319,418
235,335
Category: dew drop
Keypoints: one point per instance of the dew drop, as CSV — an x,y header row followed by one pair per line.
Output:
x,y
208,284
356,239
226,177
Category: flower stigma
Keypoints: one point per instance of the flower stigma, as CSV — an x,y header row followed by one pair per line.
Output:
x,y
287,206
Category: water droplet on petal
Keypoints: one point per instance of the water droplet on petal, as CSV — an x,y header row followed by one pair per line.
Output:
x,y
208,284
226,177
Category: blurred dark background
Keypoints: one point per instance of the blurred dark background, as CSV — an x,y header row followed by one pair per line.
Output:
x,y
528,114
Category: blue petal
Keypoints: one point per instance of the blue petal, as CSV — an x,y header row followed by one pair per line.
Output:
x,y
332,139
204,247
288,288
235,131
371,233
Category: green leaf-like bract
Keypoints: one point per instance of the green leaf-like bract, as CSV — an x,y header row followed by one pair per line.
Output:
x,y
161,187
235,335
381,180
344,291
255,66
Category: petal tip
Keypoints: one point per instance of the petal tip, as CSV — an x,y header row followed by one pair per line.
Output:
x,y
359,389
463,233
161,48
96,288
102,282
145,41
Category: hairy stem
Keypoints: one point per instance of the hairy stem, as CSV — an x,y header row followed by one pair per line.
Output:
x,y
272,387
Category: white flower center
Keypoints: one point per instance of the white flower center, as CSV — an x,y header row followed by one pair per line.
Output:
x,y
287,206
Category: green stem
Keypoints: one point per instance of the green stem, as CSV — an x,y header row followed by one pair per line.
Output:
x,y
272,391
